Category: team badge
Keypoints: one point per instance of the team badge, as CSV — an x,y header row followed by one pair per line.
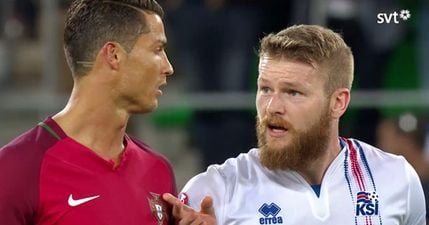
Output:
x,y
270,213
366,204
157,207
184,198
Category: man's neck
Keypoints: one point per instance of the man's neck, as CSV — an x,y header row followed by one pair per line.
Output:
x,y
96,125
314,172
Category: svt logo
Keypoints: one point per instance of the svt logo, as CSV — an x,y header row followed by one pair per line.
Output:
x,y
393,17
366,204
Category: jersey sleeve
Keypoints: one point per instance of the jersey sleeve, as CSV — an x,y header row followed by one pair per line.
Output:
x,y
210,183
416,200
20,163
18,188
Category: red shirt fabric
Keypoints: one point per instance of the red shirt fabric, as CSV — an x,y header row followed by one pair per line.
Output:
x,y
48,180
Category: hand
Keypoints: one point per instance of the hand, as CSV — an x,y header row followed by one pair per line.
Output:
x,y
185,215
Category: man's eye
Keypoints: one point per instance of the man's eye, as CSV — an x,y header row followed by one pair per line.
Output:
x,y
294,93
264,90
159,49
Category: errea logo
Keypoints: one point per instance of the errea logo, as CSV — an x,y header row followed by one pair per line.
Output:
x,y
269,213
394,17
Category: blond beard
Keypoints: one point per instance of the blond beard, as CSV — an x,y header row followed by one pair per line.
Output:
x,y
305,147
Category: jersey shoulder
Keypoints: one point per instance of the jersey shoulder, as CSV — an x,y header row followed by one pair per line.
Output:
x,y
151,152
20,165
224,177
382,162
243,166
26,151
373,153
163,163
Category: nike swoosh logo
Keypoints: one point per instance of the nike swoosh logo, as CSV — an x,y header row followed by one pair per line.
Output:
x,y
75,202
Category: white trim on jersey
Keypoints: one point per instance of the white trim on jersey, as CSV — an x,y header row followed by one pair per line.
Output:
x,y
362,186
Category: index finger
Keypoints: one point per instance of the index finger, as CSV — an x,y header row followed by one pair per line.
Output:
x,y
177,203
172,200
180,210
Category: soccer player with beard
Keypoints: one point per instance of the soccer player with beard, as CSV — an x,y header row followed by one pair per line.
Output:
x,y
303,172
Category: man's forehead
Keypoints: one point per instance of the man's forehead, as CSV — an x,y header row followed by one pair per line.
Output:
x,y
282,65
152,39
155,28
154,22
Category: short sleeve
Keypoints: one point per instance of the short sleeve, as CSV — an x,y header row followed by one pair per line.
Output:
x,y
210,183
416,199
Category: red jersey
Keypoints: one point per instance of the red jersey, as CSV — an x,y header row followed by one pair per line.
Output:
x,y
49,178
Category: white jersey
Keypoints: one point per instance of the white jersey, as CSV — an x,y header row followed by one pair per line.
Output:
x,y
363,185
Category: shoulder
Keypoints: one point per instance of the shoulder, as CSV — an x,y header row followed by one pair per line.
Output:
x,y
150,152
26,150
224,177
157,161
242,165
385,163
372,153
395,179
20,164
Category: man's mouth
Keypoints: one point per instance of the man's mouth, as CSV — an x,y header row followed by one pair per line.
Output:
x,y
159,91
276,129
276,126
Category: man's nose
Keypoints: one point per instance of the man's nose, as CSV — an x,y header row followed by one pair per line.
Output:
x,y
168,68
275,105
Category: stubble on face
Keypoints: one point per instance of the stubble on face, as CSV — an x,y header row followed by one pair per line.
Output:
x,y
305,146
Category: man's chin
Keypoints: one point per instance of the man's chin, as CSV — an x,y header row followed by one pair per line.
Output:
x,y
153,107
275,144
144,109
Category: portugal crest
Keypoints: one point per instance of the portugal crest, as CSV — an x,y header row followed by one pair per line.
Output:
x,y
157,207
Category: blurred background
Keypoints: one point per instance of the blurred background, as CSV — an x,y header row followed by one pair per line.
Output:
x,y
207,112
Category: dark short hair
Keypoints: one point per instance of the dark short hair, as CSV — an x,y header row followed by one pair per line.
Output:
x,y
92,23
313,44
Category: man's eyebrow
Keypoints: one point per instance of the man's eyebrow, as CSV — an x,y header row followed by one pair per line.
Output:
x,y
282,83
161,42
290,84
261,79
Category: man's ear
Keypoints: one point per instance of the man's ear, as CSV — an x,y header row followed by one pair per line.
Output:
x,y
339,102
112,53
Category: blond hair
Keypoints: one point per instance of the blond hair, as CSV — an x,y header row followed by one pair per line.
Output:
x,y
313,44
